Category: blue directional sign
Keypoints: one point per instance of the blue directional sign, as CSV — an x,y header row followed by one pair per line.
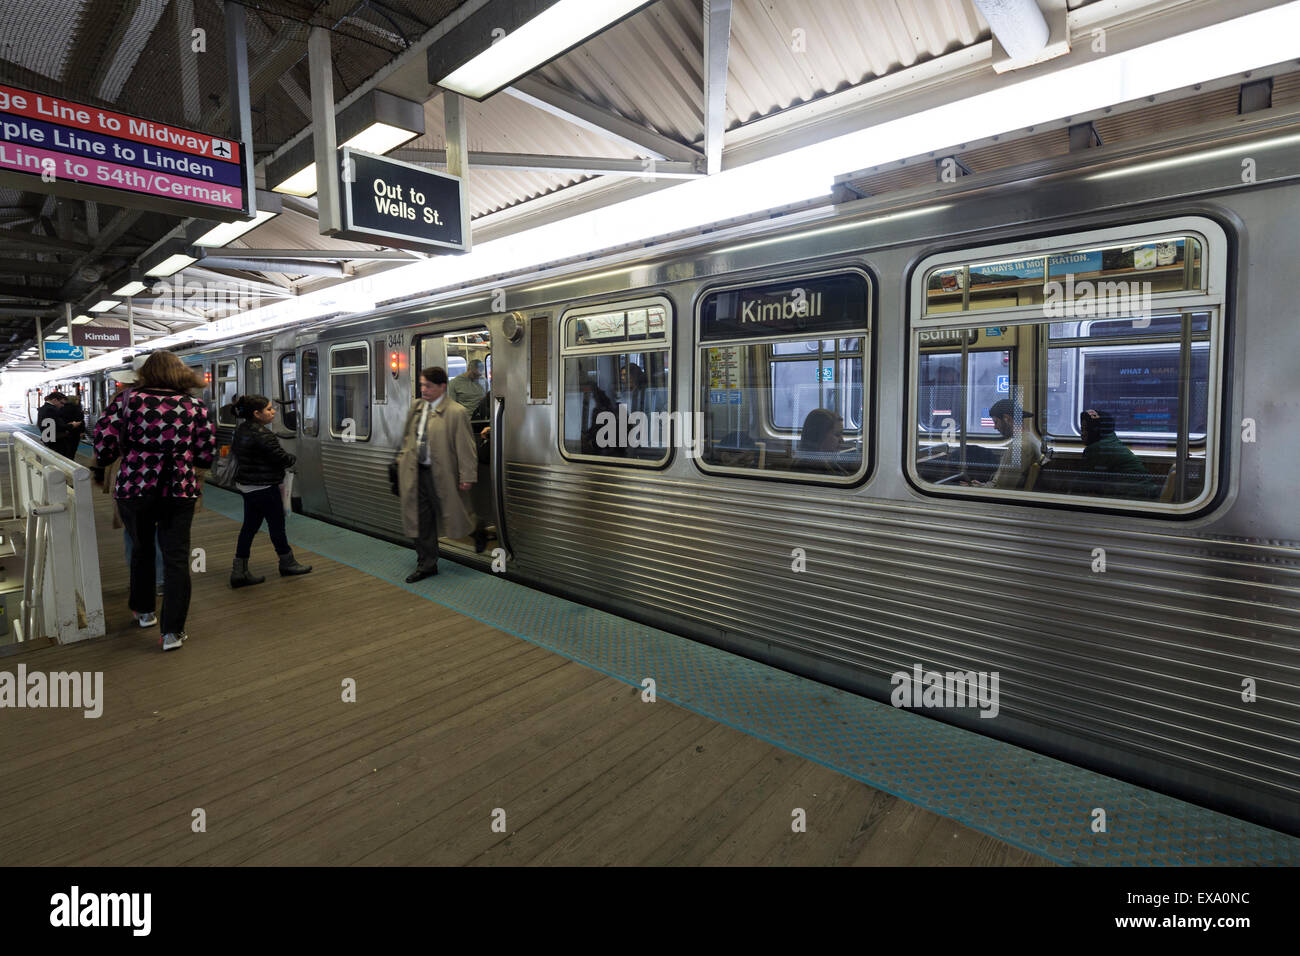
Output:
x,y
64,351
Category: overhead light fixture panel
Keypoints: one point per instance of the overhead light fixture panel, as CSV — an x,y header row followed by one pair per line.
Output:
x,y
508,39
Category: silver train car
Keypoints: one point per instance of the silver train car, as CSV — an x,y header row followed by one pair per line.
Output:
x,y
780,438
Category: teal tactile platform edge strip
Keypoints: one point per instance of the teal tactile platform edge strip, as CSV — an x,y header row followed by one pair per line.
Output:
x,y
1033,802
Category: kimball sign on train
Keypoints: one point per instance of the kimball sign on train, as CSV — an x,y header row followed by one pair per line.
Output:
x,y
51,145
392,203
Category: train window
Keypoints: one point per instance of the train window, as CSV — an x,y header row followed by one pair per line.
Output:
x,y
254,382
310,393
616,374
350,391
227,389
1150,266
783,378
288,379
1107,395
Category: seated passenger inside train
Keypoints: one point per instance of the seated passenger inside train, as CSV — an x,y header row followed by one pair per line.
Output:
x,y
1021,452
820,442
1109,468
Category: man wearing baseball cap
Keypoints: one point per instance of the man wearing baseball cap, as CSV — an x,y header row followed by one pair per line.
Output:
x,y
1109,468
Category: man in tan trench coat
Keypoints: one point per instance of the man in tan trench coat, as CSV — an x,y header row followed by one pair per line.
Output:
x,y
436,468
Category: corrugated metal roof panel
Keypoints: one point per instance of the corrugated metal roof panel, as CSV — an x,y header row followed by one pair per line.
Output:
x,y
504,124
649,68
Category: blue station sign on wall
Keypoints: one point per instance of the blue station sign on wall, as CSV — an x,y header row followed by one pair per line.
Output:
x,y
63,352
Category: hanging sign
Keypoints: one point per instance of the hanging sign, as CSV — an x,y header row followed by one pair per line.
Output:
x,y
63,352
51,145
398,204
101,336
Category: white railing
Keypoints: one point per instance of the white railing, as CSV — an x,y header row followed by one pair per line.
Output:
x,y
8,496
61,590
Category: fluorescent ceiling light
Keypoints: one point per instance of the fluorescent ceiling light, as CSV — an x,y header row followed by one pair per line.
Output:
x,y
228,232
539,40
171,265
377,138
82,320
104,305
376,123
134,287
302,183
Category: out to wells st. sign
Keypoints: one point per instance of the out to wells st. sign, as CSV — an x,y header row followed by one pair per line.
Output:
x,y
391,203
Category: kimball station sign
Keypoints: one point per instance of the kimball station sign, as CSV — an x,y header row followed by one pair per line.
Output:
x,y
48,144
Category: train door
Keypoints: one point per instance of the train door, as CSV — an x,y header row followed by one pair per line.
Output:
x,y
467,358
281,382
301,379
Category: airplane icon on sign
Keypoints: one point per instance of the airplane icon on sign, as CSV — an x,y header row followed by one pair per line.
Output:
x,y
221,148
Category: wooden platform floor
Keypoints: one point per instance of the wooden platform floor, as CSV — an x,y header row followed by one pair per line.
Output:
x,y
453,721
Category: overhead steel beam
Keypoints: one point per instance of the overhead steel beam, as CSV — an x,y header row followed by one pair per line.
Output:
x,y
342,255
241,121
23,292
31,265
45,242
579,165
596,119
320,65
717,42
455,135
1019,25
288,266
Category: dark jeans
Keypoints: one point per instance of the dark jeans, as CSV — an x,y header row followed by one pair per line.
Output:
x,y
169,519
158,559
265,505
426,545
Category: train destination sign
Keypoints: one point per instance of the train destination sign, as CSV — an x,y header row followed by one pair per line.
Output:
x,y
400,204
826,304
48,144
101,336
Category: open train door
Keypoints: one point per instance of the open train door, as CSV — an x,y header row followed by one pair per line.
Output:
x,y
466,354
282,388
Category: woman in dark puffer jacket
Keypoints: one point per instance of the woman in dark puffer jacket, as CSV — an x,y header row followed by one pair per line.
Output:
x,y
262,463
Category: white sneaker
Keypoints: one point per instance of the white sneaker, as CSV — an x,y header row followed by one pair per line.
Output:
x,y
148,619
171,642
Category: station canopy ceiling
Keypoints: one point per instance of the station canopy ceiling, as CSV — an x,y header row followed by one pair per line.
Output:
x,y
632,90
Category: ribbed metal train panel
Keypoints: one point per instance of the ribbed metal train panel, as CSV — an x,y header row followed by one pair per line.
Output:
x,y
1148,657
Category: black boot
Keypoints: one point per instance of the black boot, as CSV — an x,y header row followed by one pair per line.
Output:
x,y
240,576
289,565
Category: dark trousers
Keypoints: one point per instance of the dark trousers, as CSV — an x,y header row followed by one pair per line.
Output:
x,y
265,505
169,519
426,545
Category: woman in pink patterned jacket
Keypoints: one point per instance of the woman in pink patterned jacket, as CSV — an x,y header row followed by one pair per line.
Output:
x,y
164,437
